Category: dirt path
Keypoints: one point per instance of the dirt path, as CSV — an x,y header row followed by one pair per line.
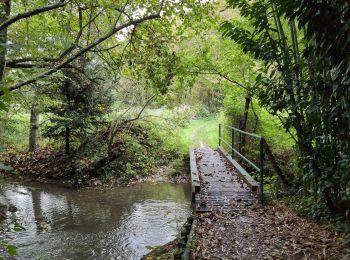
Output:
x,y
196,141
239,228
270,233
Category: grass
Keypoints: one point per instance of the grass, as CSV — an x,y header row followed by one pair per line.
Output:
x,y
200,132
17,131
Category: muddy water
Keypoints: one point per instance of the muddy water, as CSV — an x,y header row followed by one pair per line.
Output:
x,y
119,223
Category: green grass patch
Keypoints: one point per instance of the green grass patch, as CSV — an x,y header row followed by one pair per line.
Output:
x,y
200,132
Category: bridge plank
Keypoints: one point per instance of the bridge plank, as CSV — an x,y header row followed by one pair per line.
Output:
x,y
194,173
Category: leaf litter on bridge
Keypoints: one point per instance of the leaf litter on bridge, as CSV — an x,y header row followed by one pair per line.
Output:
x,y
273,232
245,230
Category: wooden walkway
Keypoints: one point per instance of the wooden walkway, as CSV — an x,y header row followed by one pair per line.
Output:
x,y
219,183
216,184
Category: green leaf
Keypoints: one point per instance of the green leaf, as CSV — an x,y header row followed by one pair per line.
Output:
x,y
3,106
18,227
11,250
5,167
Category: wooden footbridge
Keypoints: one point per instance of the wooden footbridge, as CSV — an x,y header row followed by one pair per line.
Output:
x,y
219,182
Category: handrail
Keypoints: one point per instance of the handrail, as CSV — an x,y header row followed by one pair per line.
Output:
x,y
242,156
259,168
243,132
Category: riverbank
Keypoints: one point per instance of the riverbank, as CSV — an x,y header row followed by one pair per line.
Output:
x,y
176,249
133,154
50,166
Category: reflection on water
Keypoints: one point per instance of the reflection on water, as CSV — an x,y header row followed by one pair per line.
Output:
x,y
89,224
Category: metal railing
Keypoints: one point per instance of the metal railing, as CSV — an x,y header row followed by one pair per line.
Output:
x,y
260,167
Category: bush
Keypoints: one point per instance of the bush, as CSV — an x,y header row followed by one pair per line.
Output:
x,y
144,149
203,112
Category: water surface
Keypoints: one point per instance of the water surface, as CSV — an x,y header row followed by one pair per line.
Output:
x,y
119,223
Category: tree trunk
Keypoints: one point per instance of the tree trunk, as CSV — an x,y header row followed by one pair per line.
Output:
x,y
275,165
243,124
92,171
34,128
5,7
67,141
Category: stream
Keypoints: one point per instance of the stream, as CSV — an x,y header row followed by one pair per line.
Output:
x,y
118,223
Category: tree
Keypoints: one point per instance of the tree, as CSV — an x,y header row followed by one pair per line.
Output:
x,y
34,128
44,38
78,42
305,83
79,109
5,7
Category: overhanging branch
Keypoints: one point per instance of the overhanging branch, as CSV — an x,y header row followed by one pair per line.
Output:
x,y
46,62
82,51
37,11
220,75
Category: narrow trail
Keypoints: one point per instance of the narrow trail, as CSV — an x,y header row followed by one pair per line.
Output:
x,y
196,141
231,224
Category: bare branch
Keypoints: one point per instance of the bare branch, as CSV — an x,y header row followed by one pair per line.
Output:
x,y
221,75
81,28
107,48
115,126
141,111
122,11
24,65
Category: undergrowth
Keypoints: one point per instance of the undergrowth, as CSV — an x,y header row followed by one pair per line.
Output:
x,y
144,151
316,210
137,151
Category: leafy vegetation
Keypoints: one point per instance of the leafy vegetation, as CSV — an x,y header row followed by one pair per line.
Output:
x,y
86,80
97,92
300,83
10,249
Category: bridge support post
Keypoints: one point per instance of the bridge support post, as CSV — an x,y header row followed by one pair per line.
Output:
x,y
219,134
233,143
262,171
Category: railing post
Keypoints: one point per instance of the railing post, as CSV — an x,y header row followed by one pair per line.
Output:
x,y
262,171
233,142
219,134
